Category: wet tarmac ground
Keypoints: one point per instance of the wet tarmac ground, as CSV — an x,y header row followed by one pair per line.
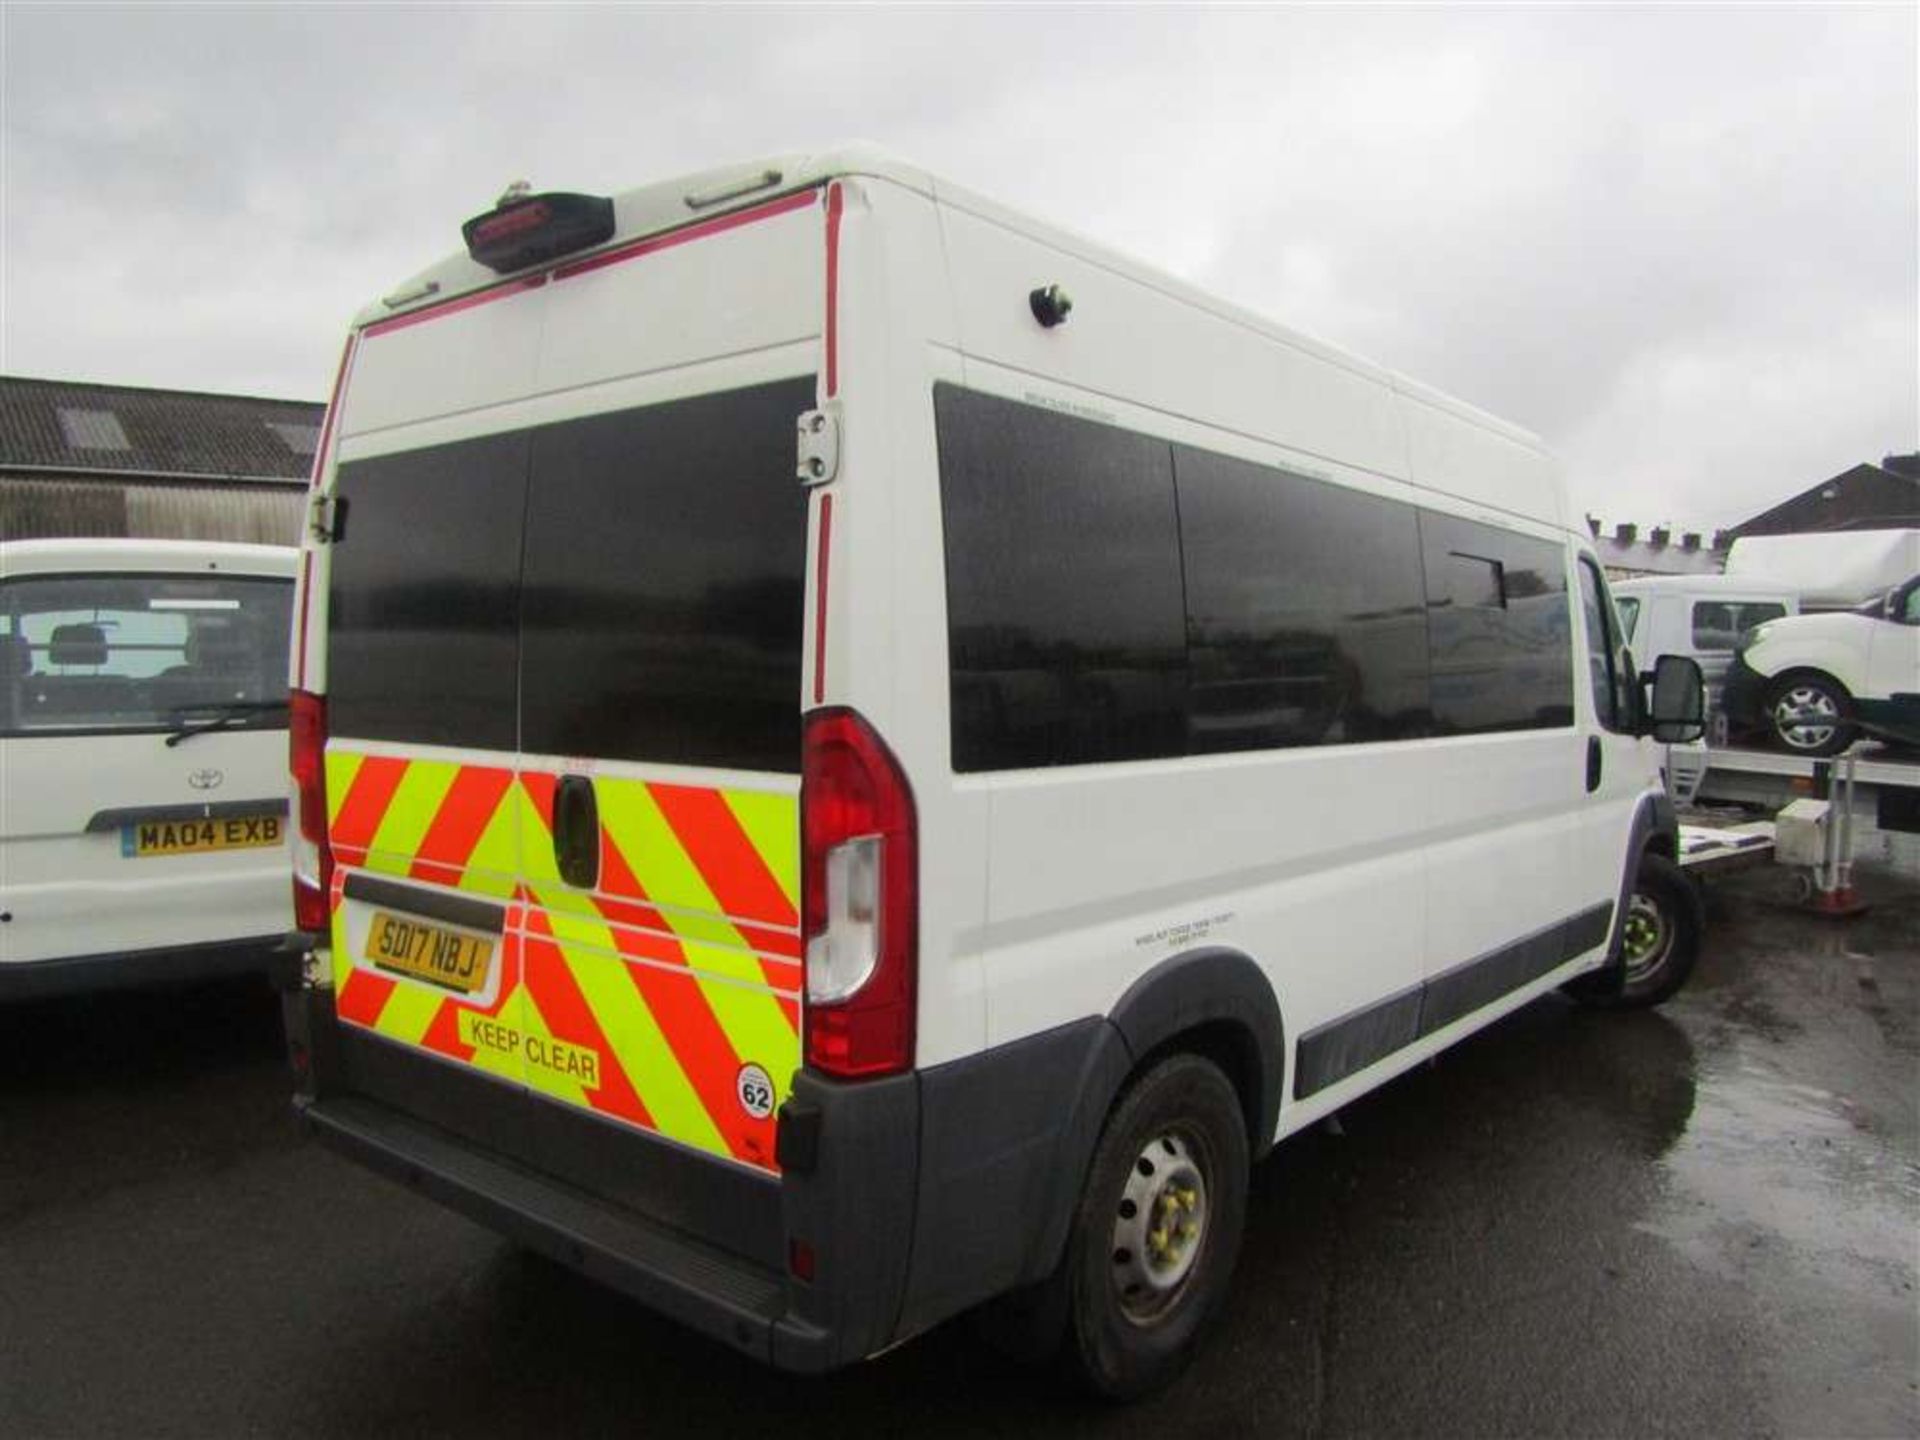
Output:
x,y
1702,1220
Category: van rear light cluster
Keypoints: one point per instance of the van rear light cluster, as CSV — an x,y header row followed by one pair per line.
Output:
x,y
859,903
312,859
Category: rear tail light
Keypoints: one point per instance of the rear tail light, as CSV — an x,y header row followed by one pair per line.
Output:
x,y
312,860
859,899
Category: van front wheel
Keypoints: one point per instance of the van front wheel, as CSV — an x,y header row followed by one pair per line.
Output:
x,y
1158,1228
1659,938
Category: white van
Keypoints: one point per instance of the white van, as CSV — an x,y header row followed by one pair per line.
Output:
x,y
857,754
143,730
1702,616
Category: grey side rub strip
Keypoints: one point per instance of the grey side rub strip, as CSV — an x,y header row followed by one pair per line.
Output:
x,y
1350,1044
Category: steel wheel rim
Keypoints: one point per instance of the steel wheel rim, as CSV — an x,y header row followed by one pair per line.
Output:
x,y
1160,1226
1648,937
1790,714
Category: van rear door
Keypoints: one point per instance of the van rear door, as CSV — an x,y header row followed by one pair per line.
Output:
x,y
563,679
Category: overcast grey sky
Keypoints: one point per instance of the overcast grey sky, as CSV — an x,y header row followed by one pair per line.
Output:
x,y
1682,243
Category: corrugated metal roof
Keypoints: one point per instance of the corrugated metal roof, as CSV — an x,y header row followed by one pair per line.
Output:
x,y
59,425
61,507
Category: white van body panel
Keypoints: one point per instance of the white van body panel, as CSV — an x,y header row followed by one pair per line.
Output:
x,y
70,882
1876,659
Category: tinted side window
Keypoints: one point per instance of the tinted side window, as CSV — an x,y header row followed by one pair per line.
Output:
x,y
422,613
1719,624
665,581
1064,609
1498,627
1306,618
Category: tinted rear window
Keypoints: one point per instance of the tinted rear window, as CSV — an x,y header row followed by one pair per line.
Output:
x,y
423,615
626,586
665,583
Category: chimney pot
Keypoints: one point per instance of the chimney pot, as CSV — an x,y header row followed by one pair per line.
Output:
x,y
1625,533
1690,540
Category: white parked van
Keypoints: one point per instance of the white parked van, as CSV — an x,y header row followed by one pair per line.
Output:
x,y
1701,616
143,725
857,754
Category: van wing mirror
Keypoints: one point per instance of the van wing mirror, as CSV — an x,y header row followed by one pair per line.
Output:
x,y
1676,708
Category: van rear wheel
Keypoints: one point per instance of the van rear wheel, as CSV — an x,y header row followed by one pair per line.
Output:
x,y
1158,1228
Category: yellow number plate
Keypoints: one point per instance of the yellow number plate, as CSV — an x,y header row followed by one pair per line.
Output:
x,y
192,837
428,952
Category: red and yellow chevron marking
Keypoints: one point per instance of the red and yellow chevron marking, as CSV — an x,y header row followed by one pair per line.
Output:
x,y
644,999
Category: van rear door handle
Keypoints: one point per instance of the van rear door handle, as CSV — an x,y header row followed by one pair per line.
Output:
x,y
1593,763
576,832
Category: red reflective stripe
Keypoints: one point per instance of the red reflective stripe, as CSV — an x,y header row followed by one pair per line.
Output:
x,y
365,805
304,599
362,997
464,814
718,225
820,599
333,412
454,307
774,942
550,985
722,853
443,1035
835,201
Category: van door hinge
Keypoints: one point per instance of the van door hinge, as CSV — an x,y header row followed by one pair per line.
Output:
x,y
819,447
327,519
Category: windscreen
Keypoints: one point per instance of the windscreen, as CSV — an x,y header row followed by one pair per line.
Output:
x,y
90,653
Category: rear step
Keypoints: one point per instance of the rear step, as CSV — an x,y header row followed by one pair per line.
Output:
x,y
717,1294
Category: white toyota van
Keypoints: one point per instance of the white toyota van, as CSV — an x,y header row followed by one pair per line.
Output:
x,y
857,754
143,725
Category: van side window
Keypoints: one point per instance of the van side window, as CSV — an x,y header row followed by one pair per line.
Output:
x,y
86,653
1612,687
1305,612
1719,624
1066,629
1111,596
1497,627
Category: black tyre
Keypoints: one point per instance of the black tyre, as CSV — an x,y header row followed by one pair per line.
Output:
x,y
1810,714
1659,940
1158,1228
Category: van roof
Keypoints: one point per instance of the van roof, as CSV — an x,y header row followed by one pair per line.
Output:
x,y
43,557
669,204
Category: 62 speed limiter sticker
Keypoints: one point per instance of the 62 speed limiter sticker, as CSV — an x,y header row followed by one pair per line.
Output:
x,y
755,1089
